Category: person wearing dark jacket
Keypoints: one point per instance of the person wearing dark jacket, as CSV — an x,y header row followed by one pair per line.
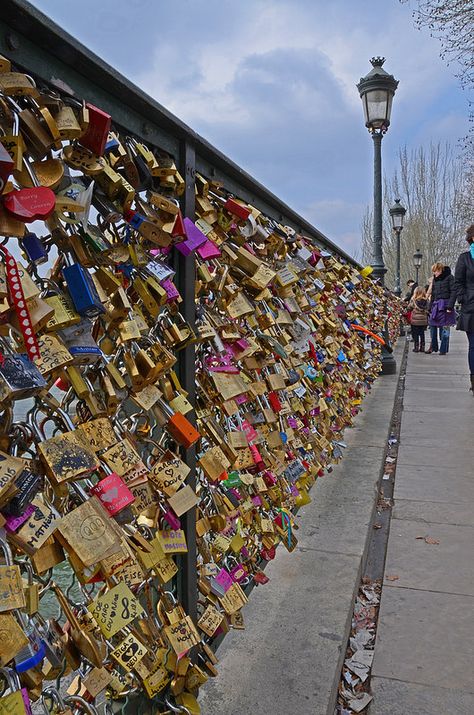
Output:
x,y
441,311
464,292
411,286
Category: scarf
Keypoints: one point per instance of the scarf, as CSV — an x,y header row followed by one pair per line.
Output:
x,y
471,249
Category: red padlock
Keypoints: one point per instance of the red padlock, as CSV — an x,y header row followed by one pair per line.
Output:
x,y
97,133
33,204
237,209
274,401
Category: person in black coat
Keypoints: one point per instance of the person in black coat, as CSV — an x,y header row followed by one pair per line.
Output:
x,y
464,292
441,314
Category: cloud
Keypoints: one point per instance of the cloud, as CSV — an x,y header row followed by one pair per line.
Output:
x,y
271,83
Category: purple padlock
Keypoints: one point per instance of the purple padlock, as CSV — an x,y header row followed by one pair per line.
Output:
x,y
224,579
194,238
172,292
238,573
13,523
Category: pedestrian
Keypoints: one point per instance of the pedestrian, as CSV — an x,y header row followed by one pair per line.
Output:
x,y
419,319
441,316
411,285
464,292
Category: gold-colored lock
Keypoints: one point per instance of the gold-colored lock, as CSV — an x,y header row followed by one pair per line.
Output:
x,y
16,84
67,123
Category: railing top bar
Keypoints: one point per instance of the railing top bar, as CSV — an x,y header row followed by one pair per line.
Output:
x,y
40,30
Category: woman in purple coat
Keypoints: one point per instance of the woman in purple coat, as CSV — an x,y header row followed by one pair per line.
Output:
x,y
464,292
441,307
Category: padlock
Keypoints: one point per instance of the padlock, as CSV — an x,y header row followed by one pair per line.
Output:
x,y
64,314
80,343
50,633
67,122
81,288
95,137
177,425
27,484
194,238
112,492
8,158
30,204
17,84
34,249
36,135
19,376
17,700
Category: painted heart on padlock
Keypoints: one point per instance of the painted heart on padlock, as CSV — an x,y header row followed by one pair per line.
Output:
x,y
36,203
109,496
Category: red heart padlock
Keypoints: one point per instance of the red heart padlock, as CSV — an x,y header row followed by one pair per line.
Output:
x,y
36,203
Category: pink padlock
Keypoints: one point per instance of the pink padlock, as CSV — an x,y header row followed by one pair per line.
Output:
x,y
208,250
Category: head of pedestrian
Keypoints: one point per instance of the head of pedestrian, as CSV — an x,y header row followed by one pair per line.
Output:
x,y
437,269
470,238
419,293
410,282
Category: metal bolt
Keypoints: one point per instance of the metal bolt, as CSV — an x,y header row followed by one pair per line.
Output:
x,y
12,41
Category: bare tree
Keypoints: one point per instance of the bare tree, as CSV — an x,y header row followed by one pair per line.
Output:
x,y
452,22
430,184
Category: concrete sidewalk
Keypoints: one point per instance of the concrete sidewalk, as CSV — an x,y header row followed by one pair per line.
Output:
x,y
424,653
289,658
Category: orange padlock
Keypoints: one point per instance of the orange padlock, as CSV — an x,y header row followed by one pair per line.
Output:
x,y
179,427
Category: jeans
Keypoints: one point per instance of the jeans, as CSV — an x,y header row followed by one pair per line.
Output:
x,y
470,354
418,332
444,338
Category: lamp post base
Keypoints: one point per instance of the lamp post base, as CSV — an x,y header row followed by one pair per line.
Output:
x,y
389,364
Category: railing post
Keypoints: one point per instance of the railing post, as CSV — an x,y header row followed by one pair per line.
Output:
x,y
186,372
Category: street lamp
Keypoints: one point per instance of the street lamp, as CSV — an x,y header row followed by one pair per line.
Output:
x,y
376,91
397,214
417,260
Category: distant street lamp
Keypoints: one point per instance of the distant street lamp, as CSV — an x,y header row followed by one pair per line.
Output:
x,y
397,214
417,261
376,90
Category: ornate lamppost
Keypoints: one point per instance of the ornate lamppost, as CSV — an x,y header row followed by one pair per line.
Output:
x,y
397,214
376,91
417,261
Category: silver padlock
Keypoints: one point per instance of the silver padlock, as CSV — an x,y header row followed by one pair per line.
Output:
x,y
13,684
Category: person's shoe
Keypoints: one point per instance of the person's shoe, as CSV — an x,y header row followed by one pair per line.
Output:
x,y
416,350
443,353
472,385
429,351
422,349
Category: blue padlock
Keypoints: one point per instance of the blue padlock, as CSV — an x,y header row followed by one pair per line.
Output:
x,y
34,249
82,291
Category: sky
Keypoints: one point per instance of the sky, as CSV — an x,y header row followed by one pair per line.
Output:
x,y
271,83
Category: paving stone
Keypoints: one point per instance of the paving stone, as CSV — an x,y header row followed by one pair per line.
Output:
x,y
394,698
425,637
446,566
434,512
